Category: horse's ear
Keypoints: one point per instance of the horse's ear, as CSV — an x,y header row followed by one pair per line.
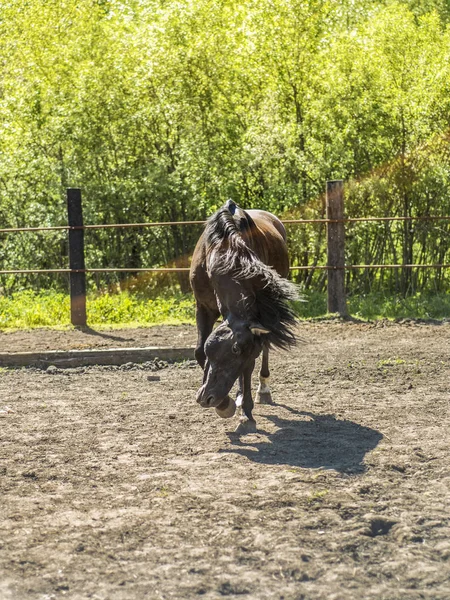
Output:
x,y
258,329
231,206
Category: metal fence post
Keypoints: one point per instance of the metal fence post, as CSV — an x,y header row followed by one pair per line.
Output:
x,y
76,259
336,248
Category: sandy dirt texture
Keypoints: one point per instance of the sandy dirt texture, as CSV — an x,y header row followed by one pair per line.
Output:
x,y
42,340
116,485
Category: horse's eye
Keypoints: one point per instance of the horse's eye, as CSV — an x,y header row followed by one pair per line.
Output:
x,y
235,349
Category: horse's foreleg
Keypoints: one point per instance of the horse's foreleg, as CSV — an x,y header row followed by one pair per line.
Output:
x,y
205,318
240,392
247,422
263,395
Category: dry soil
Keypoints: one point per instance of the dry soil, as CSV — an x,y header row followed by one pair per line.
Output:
x,y
115,485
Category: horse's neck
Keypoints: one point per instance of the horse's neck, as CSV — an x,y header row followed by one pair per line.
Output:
x,y
233,298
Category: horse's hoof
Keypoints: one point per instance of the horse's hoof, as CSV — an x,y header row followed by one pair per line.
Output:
x,y
245,426
263,398
227,408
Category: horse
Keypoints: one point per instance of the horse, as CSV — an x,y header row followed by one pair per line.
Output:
x,y
238,271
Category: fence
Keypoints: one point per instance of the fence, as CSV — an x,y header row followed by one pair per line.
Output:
x,y
335,267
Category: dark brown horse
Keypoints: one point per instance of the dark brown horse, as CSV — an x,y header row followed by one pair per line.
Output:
x,y
238,271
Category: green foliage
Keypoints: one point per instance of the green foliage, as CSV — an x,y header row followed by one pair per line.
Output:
x,y
128,309
314,305
417,306
374,306
161,110
27,310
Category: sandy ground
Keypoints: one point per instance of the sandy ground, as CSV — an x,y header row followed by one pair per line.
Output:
x,y
41,340
114,484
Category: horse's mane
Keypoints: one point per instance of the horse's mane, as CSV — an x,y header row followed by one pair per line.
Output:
x,y
268,294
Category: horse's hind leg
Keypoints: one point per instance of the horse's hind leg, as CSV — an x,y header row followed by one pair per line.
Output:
x,y
263,395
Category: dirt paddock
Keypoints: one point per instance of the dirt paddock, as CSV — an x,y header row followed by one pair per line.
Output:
x,y
116,485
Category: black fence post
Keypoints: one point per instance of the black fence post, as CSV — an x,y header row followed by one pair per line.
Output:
x,y
336,248
76,259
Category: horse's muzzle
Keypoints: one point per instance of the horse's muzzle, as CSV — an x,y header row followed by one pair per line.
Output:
x,y
207,400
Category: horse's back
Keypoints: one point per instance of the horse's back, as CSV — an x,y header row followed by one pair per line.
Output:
x,y
269,241
266,220
262,231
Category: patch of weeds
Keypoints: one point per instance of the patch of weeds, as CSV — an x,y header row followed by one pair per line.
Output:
x,y
355,365
390,362
318,496
47,308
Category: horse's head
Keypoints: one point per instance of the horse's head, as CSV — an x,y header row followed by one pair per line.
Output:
x,y
229,350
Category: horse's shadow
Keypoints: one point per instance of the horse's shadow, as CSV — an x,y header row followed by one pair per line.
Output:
x,y
322,441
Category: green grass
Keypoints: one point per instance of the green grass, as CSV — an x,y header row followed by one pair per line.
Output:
x,y
372,307
418,306
27,309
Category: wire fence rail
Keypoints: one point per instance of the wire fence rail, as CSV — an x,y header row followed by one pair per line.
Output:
x,y
177,223
336,267
187,269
